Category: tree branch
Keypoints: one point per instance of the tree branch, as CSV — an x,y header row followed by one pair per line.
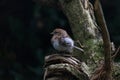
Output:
x,y
106,39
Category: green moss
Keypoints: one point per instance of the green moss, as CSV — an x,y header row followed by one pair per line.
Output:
x,y
84,30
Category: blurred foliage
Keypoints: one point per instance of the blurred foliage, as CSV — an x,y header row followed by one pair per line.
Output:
x,y
24,35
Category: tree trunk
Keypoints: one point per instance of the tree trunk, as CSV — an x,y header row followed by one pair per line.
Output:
x,y
86,32
84,28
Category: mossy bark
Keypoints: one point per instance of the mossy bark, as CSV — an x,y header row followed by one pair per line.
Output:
x,y
64,67
84,29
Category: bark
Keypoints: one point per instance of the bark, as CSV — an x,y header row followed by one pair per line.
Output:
x,y
106,40
64,67
86,32
84,28
82,22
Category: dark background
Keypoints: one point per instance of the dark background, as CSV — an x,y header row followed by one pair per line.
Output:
x,y
24,34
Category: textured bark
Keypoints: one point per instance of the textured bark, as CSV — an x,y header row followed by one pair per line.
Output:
x,y
106,40
64,67
84,29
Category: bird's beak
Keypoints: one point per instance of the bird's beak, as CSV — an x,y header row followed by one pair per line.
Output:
x,y
52,33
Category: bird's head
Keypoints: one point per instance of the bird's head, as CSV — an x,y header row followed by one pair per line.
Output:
x,y
59,32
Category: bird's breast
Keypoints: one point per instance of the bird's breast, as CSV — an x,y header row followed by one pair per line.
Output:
x,y
63,44
58,46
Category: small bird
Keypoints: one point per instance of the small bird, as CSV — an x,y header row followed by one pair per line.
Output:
x,y
61,41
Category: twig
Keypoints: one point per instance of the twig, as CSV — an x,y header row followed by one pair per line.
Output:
x,y
116,52
79,44
106,38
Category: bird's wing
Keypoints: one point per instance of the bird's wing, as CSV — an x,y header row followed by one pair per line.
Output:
x,y
66,41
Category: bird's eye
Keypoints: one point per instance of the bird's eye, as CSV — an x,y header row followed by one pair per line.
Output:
x,y
55,32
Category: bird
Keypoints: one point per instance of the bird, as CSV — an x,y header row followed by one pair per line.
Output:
x,y
62,42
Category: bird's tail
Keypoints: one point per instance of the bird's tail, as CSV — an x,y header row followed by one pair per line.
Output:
x,y
79,48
